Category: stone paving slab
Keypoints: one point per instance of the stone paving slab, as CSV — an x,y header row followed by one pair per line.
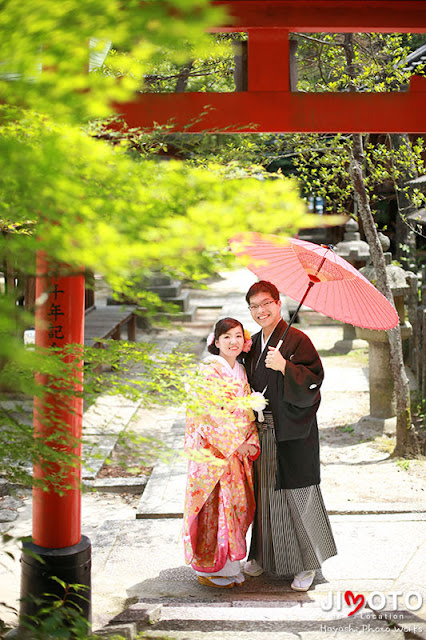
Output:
x,y
102,423
360,508
165,492
415,570
122,418
109,414
19,405
221,634
298,626
207,302
261,611
94,453
235,307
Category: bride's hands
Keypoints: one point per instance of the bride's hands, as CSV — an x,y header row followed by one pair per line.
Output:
x,y
247,449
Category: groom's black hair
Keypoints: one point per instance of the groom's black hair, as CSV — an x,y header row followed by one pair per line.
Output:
x,y
260,287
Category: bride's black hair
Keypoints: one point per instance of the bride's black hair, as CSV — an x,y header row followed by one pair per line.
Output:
x,y
223,326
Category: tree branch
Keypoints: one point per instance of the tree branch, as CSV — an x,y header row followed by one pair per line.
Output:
x,y
330,44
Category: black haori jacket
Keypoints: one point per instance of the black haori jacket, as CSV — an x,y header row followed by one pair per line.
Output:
x,y
294,400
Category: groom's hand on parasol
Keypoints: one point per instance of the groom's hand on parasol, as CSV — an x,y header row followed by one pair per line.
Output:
x,y
274,360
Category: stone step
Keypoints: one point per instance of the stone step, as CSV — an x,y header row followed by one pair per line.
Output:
x,y
181,301
158,280
268,619
317,235
166,291
375,555
187,315
129,631
133,485
207,302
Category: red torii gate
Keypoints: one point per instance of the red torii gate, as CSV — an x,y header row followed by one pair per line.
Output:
x,y
267,106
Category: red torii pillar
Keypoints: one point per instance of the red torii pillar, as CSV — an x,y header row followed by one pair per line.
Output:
x,y
58,417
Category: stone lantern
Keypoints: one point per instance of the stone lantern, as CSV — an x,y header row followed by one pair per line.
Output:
x,y
382,397
352,248
357,253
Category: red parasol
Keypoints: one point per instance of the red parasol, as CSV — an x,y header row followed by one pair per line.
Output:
x,y
316,276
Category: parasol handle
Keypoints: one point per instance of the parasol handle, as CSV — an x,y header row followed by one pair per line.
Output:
x,y
312,280
293,318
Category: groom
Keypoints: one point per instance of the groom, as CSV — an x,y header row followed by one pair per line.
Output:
x,y
291,532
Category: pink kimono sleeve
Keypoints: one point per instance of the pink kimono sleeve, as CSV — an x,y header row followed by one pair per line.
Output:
x,y
223,429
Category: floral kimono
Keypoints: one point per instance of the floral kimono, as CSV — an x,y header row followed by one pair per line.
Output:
x,y
219,504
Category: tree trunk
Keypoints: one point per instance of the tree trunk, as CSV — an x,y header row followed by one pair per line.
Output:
x,y
9,278
401,385
183,78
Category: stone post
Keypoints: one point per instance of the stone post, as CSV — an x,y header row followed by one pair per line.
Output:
x,y
423,351
421,337
382,399
412,302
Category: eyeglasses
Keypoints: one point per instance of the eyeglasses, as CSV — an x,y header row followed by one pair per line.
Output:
x,y
262,305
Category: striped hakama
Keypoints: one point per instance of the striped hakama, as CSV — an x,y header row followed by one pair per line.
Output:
x,y
291,530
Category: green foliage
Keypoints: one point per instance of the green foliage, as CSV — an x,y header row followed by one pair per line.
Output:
x,y
403,464
378,62
418,410
322,166
88,203
58,620
58,616
213,72
87,200
139,371
44,49
347,429
322,161
110,208
59,612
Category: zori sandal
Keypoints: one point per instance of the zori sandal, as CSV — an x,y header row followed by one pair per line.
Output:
x,y
218,582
